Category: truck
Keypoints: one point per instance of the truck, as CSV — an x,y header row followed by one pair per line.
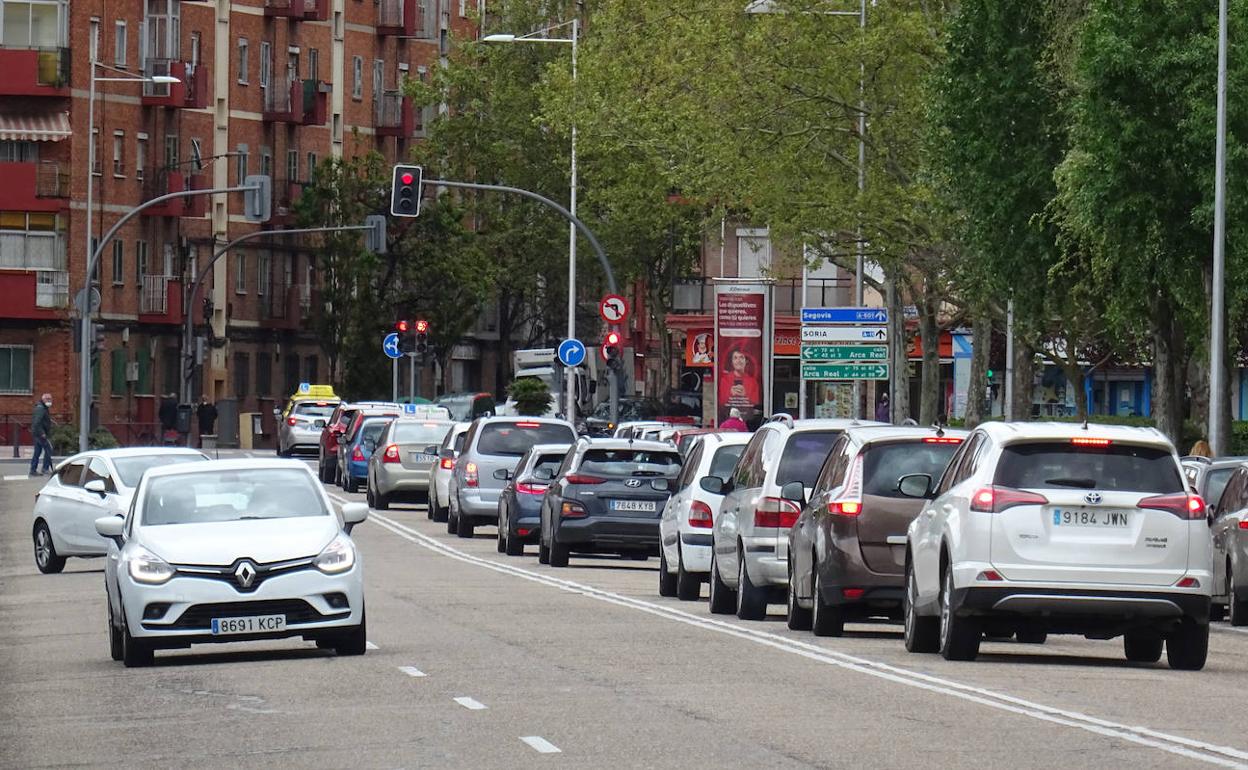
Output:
x,y
543,364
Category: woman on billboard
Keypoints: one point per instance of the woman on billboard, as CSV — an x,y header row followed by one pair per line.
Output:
x,y
739,383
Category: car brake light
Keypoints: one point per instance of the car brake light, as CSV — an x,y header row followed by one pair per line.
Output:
x,y
526,488
447,464
571,510
581,478
1243,523
941,440
291,421
700,515
1187,582
470,475
776,512
845,507
1183,505
996,499
853,593
391,454
1080,441
989,574
528,425
357,454
851,502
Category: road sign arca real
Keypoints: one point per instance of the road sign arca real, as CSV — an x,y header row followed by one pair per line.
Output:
x,y
613,309
844,353
844,371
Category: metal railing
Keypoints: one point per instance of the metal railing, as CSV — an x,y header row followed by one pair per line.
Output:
x,y
154,67
302,6
51,181
392,13
53,67
155,299
52,289
277,95
273,306
388,110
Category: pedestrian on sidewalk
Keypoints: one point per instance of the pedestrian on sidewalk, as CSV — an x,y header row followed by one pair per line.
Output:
x,y
734,421
207,413
40,432
881,409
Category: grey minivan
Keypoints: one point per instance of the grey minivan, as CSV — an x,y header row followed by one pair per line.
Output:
x,y
494,443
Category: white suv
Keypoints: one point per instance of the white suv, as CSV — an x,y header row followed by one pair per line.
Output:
x,y
749,550
1039,528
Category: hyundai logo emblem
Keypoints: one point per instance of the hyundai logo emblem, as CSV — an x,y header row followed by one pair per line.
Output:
x,y
633,483
245,574
1092,498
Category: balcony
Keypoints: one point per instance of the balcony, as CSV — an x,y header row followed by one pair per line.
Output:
x,y
394,115
161,301
34,186
302,10
286,193
298,101
697,295
34,71
407,18
190,93
34,295
169,181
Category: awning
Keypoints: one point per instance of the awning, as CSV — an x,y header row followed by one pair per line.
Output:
x,y
34,126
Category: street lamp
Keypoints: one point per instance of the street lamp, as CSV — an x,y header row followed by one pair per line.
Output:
x,y
84,355
570,385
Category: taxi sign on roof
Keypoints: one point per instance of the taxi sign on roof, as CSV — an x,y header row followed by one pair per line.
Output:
x,y
426,411
307,390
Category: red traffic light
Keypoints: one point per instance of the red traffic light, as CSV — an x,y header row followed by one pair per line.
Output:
x,y
613,338
401,327
422,326
407,178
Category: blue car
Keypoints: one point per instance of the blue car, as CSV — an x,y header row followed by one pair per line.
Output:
x,y
355,471
520,505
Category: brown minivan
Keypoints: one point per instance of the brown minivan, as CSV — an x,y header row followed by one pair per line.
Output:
x,y
847,550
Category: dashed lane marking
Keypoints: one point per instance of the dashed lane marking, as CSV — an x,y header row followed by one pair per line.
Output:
x,y
412,671
371,646
540,744
470,704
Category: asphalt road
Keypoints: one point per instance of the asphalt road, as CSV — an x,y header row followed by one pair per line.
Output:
x,y
484,660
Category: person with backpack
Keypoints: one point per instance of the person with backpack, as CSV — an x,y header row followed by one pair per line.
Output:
x,y
40,433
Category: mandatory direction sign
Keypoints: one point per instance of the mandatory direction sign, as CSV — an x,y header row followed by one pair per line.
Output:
x,y
844,371
844,352
844,315
571,352
390,345
859,334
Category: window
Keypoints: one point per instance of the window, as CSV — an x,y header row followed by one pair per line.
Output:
x,y
161,33
266,161
242,61
885,464
240,273
242,365
266,63
15,369
311,167
379,78
241,157
18,152
171,151
314,64
95,38
292,165
31,241
119,43
263,273
33,24
118,372
463,9
97,163
143,361
140,261
196,46
119,263
264,374
119,153
312,363
1113,468
140,156
357,78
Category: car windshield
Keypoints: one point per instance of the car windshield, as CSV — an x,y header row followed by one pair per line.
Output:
x,y
549,462
131,469
515,438
423,433
883,465
1216,482
372,429
725,460
804,455
630,462
629,410
314,409
233,495
1065,465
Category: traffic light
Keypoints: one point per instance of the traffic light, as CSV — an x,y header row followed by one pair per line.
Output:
x,y
612,353
403,328
405,191
422,337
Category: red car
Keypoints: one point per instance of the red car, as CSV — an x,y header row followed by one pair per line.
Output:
x,y
335,427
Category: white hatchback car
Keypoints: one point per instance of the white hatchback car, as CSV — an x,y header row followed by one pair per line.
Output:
x,y
440,489
232,550
685,529
85,487
1039,528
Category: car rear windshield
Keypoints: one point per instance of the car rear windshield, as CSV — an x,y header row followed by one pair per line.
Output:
x,y
515,438
804,455
725,460
314,409
549,462
131,469
423,433
372,429
1064,465
1216,483
883,465
630,462
236,495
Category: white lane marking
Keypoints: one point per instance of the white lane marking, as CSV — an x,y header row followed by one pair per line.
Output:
x,y
1185,747
412,671
371,646
22,477
540,744
470,704
249,454
1232,629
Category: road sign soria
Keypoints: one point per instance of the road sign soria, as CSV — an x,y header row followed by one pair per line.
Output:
x,y
859,334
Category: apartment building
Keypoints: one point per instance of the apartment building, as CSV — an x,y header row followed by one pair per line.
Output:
x,y
263,87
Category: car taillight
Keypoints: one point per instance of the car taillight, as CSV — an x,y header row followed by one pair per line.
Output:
x,y
291,421
1090,441
1183,505
470,475
357,454
391,455
571,510
526,488
528,425
845,507
776,512
995,499
1243,523
447,464
582,478
941,440
700,515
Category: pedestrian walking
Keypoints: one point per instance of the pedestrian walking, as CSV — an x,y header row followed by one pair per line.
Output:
x,y
207,414
734,421
40,432
881,410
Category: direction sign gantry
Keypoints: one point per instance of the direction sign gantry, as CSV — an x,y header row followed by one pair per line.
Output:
x,y
855,334
844,371
844,315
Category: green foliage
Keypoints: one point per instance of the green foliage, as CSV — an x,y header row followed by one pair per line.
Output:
x,y
64,439
531,395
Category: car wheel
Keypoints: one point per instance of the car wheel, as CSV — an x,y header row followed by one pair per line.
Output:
x,y
723,598
959,637
368,496
135,653
1237,608
114,633
380,502
452,519
797,616
751,602
559,555
464,527
45,551
437,512
688,584
667,580
825,619
543,553
1031,637
1187,646
1217,612
355,642
502,536
1142,647
352,485
922,634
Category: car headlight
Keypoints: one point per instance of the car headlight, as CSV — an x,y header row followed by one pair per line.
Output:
x,y
338,556
147,567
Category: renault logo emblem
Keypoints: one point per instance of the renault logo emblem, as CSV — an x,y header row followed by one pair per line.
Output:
x,y
633,483
245,574
1092,498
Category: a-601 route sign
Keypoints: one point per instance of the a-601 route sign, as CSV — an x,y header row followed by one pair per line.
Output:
x,y
844,352
859,334
844,315
845,371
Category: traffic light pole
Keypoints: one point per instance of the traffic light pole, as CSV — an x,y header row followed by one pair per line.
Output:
x,y
579,225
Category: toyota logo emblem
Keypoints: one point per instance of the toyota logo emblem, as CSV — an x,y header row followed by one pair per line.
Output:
x,y
1092,498
633,483
245,574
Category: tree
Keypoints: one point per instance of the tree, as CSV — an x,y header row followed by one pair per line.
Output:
x,y
531,395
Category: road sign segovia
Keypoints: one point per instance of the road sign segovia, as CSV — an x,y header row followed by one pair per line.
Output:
x,y
844,352
844,315
845,371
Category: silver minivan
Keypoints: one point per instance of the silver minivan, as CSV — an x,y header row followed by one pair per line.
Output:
x,y
493,444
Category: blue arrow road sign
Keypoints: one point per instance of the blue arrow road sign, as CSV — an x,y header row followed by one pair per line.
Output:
x,y
844,315
571,352
390,345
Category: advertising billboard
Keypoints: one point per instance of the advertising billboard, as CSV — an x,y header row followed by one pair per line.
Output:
x,y
743,337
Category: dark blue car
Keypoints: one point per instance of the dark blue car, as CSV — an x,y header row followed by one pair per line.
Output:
x,y
355,471
520,504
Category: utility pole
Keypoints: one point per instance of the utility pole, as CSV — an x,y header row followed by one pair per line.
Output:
x,y
1217,336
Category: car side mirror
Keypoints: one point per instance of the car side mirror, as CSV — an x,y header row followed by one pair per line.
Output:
x,y
352,514
96,486
794,492
110,527
502,474
544,474
713,484
916,485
